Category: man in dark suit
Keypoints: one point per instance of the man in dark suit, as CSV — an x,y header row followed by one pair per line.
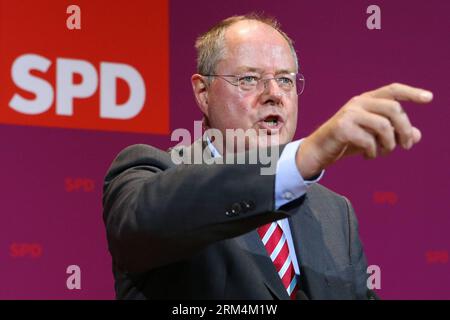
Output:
x,y
226,231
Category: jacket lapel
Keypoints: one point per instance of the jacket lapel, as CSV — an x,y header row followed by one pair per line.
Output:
x,y
310,249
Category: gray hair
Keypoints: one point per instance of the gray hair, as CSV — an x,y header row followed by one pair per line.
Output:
x,y
211,45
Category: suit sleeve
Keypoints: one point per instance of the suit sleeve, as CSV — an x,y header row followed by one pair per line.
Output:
x,y
358,258
157,213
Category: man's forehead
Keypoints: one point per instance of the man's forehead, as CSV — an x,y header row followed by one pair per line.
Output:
x,y
258,51
252,30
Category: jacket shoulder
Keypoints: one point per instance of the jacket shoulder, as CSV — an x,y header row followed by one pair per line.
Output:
x,y
317,191
323,200
138,155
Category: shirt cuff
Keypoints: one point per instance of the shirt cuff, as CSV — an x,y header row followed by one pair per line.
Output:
x,y
289,184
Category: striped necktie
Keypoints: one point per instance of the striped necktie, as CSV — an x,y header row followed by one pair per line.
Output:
x,y
277,247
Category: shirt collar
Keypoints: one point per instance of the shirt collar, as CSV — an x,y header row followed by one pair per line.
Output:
x,y
214,152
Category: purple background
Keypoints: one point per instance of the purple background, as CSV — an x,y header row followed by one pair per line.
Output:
x,y
340,58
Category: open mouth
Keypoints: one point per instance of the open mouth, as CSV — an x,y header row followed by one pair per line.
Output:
x,y
272,123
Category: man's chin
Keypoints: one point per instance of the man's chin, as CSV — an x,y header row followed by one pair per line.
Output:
x,y
265,141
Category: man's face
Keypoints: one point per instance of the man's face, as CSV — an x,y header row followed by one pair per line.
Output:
x,y
253,48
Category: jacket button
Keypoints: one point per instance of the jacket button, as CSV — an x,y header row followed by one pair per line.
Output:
x,y
247,205
236,208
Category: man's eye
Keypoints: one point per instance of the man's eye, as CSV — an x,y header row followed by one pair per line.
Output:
x,y
285,81
248,80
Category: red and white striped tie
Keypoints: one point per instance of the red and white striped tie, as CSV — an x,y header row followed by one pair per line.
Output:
x,y
277,247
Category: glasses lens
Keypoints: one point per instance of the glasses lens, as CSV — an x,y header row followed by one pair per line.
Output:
x,y
300,83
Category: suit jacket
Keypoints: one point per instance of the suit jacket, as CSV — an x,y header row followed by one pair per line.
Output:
x,y
188,231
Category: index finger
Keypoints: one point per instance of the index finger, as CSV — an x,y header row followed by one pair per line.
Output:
x,y
402,92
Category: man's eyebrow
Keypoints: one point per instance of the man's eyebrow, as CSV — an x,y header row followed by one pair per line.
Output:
x,y
260,70
284,71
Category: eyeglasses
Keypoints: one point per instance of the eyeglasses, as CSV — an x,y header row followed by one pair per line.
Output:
x,y
288,83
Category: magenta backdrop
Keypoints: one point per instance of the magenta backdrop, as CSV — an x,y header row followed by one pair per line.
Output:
x,y
402,201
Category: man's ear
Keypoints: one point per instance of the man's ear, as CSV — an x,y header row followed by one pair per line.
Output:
x,y
200,88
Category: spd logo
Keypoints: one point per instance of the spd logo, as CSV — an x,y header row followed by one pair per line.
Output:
x,y
111,75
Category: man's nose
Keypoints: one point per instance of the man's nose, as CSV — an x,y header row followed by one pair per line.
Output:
x,y
271,89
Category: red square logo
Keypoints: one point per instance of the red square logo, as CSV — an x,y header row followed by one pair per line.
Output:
x,y
101,65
